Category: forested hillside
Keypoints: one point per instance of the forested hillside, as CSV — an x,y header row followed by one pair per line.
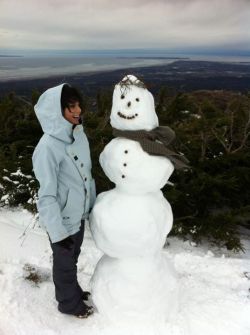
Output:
x,y
209,201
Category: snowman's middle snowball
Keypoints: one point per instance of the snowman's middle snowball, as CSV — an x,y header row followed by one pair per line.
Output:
x,y
131,225
132,169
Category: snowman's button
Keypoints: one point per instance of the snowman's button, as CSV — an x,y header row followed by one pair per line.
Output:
x,y
126,151
125,164
123,176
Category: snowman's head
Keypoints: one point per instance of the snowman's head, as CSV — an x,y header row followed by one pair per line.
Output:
x,y
133,106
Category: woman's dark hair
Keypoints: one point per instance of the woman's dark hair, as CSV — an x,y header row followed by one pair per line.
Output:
x,y
70,95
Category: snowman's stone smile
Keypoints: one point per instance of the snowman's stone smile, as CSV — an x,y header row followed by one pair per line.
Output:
x,y
129,117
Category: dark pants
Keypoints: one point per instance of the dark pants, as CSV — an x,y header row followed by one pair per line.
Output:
x,y
68,291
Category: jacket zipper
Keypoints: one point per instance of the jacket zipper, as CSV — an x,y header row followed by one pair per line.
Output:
x,y
85,199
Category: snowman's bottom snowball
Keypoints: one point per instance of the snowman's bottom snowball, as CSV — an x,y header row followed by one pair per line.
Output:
x,y
135,289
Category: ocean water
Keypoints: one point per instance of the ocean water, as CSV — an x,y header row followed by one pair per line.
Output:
x,y
41,67
19,65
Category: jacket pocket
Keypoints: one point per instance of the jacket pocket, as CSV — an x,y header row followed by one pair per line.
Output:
x,y
64,203
73,209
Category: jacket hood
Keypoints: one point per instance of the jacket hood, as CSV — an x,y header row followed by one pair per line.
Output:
x,y
49,113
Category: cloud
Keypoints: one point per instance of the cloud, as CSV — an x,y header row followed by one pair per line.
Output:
x,y
104,24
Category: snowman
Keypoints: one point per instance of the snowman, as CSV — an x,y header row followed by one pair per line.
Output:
x,y
134,280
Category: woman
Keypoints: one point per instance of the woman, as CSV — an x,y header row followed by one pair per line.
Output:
x,y
62,165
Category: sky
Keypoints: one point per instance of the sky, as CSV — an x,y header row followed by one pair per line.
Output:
x,y
126,24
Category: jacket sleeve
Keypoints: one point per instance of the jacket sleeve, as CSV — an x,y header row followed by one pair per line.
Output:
x,y
46,169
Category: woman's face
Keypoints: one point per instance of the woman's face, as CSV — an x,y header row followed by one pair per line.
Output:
x,y
72,112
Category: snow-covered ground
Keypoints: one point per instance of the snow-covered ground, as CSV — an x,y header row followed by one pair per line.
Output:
x,y
214,287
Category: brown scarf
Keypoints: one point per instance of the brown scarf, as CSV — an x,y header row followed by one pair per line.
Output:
x,y
155,142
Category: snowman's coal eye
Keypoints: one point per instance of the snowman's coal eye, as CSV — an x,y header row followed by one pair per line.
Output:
x,y
122,96
137,99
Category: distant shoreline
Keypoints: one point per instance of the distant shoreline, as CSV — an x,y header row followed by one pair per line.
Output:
x,y
27,75
178,76
11,56
117,57
156,57
87,73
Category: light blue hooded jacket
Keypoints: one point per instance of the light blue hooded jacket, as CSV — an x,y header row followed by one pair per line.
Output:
x,y
62,165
